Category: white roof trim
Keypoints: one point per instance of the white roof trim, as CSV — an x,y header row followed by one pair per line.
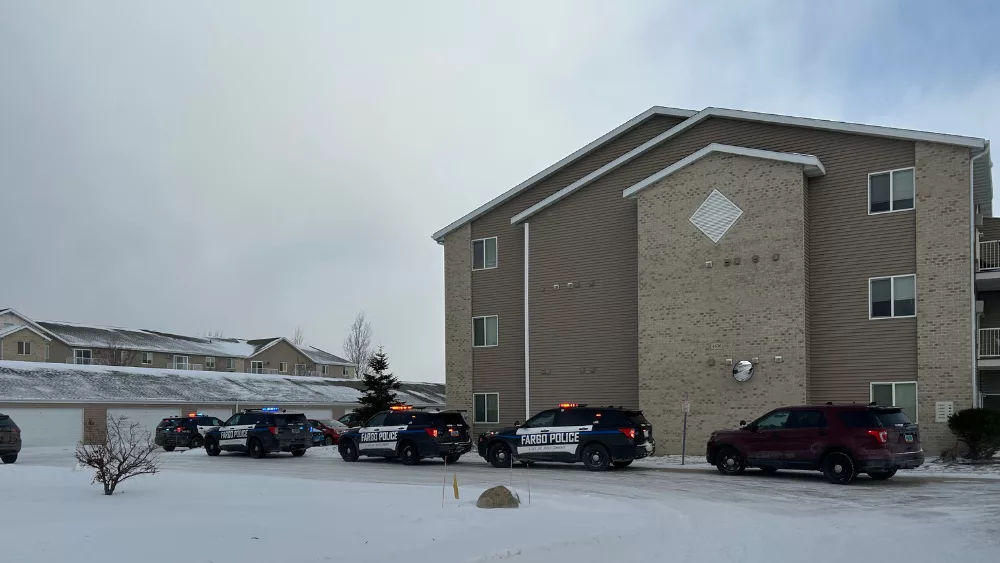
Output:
x,y
5,332
655,110
38,328
839,126
811,166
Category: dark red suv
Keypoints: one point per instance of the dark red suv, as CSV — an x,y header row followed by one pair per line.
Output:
x,y
839,440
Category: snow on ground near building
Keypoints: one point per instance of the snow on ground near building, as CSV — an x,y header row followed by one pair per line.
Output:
x,y
319,508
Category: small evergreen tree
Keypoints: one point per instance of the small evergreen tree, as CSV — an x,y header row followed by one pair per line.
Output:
x,y
380,387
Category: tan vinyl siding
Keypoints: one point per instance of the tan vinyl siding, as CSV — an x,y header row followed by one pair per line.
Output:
x,y
281,352
846,247
990,229
499,291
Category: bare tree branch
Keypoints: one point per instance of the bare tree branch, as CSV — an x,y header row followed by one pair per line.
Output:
x,y
358,344
116,351
215,333
127,450
299,337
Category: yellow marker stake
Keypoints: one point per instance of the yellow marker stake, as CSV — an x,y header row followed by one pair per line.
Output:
x,y
454,483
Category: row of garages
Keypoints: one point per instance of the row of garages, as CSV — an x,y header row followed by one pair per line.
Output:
x,y
65,426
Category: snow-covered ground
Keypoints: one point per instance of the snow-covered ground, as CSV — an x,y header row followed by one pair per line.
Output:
x,y
319,508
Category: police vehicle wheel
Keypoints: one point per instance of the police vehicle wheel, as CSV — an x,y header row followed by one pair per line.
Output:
x,y
409,454
9,458
298,453
499,455
596,458
729,462
348,450
196,442
620,464
169,448
212,448
255,448
329,440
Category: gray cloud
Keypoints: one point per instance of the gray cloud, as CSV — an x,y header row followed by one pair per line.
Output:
x,y
253,166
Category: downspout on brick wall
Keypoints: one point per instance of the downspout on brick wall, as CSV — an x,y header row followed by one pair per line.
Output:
x,y
972,240
527,356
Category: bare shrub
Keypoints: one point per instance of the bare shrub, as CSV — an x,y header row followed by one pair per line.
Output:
x,y
127,450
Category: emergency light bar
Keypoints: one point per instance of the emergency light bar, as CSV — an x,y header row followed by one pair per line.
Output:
x,y
400,408
269,409
570,405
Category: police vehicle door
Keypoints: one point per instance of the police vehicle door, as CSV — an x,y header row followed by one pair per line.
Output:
x,y
233,435
378,438
205,423
540,438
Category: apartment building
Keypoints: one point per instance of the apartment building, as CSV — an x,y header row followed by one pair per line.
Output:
x,y
737,261
23,339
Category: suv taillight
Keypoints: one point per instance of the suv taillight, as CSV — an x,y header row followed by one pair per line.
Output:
x,y
881,435
179,429
628,432
273,429
432,432
15,430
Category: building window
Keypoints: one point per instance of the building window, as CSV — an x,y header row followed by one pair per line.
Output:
x,y
486,408
325,370
346,372
484,253
485,331
181,362
46,352
890,191
209,362
902,395
147,358
894,296
24,348
82,357
123,357
230,363
300,369
282,367
256,366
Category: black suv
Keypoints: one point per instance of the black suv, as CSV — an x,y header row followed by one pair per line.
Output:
x,y
10,439
184,431
597,436
260,432
409,435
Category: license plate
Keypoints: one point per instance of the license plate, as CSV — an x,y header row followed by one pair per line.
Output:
x,y
908,438
295,430
454,432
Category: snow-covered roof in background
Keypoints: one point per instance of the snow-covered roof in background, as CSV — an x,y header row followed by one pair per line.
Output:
x,y
5,331
93,336
30,381
323,357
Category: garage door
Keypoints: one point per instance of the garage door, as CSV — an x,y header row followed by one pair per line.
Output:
x,y
318,414
148,418
48,427
222,414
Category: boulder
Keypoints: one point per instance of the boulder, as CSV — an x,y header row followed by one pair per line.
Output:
x,y
498,497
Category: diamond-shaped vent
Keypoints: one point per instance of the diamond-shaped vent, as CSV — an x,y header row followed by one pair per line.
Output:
x,y
716,215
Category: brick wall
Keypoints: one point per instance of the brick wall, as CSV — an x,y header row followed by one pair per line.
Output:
x,y
944,286
10,347
691,318
458,319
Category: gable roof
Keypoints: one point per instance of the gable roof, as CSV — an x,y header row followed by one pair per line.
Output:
x,y
30,323
266,343
509,194
837,126
811,166
7,331
323,357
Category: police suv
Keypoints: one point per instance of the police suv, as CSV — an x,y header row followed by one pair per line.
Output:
x,y
260,432
184,431
409,435
597,436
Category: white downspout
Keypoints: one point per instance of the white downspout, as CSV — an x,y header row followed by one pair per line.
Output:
x,y
972,240
527,356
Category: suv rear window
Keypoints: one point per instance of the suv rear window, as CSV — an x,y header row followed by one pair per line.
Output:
x,y
168,423
859,419
286,419
6,422
449,418
892,417
617,417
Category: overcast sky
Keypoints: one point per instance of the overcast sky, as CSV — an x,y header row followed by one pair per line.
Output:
x,y
254,166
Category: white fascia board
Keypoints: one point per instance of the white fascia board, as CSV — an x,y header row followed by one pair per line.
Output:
x,y
34,325
838,126
506,196
811,166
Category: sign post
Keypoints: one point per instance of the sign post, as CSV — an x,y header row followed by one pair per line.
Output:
x,y
686,407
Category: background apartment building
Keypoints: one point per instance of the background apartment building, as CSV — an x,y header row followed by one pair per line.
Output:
x,y
836,258
22,339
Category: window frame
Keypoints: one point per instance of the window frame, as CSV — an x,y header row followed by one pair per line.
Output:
x,y
324,370
77,356
486,408
916,395
297,371
210,362
186,363
23,347
143,356
259,363
282,367
496,251
230,363
757,422
486,338
892,297
892,190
